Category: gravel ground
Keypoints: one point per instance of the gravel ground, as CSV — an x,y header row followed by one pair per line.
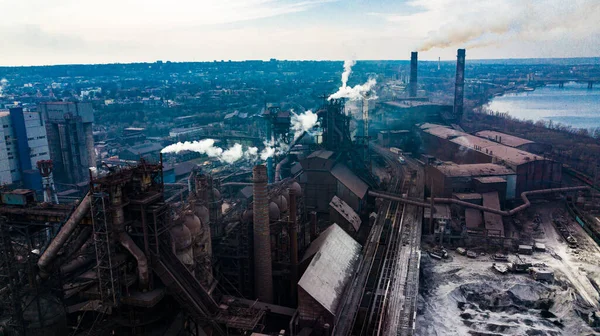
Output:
x,y
461,296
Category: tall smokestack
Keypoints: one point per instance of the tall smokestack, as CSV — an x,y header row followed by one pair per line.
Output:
x,y
263,278
459,87
412,84
293,246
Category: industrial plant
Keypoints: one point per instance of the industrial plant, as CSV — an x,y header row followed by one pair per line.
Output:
x,y
383,210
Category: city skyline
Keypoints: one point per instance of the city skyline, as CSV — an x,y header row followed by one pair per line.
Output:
x,y
68,32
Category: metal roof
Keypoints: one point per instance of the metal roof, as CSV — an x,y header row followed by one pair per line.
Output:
x,y
503,138
335,256
346,211
444,132
323,154
350,180
490,179
476,169
145,148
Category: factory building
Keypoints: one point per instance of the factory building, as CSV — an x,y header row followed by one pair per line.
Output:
x,y
448,179
329,264
24,144
515,142
70,139
323,177
533,171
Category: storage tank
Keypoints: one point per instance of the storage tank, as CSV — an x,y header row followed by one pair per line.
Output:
x,y
274,212
182,243
297,188
281,202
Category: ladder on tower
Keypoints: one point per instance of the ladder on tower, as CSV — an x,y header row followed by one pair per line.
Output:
x,y
10,278
106,268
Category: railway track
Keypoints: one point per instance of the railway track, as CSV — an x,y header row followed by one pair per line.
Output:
x,y
384,292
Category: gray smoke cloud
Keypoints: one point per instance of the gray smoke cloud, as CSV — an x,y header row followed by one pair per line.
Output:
x,y
485,23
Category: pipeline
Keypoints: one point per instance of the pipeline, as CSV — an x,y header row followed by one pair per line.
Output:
x,y
142,261
278,168
437,200
80,261
63,235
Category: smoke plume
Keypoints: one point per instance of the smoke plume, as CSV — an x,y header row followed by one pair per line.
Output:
x,y
304,122
348,64
358,91
230,155
479,24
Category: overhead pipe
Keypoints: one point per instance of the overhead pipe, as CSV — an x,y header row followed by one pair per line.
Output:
x,y
63,235
520,208
118,217
80,261
278,168
139,256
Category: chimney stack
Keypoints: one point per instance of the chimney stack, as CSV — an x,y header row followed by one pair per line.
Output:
x,y
412,84
459,87
263,278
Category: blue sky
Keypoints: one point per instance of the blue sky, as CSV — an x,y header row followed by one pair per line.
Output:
x,y
37,32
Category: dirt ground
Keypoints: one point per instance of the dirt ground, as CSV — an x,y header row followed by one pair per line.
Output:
x,y
462,296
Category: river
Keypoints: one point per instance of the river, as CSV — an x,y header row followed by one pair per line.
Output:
x,y
573,105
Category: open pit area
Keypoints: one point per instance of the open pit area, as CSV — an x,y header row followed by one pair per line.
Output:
x,y
466,296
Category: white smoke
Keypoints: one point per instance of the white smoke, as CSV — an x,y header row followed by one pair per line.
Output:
x,y
348,64
304,122
358,91
230,155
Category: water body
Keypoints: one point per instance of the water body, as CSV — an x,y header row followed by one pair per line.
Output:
x,y
573,105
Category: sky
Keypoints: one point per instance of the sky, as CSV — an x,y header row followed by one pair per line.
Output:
x,y
41,32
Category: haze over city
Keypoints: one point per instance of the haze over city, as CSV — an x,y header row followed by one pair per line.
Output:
x,y
301,168
66,31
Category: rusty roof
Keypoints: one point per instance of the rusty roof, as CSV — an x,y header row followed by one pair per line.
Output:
x,y
346,211
503,138
335,256
475,169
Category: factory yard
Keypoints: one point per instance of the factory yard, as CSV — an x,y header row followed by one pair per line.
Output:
x,y
464,296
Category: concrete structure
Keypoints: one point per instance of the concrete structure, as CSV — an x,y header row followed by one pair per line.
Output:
x,y
459,86
24,144
533,171
70,139
412,84
263,273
